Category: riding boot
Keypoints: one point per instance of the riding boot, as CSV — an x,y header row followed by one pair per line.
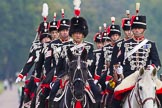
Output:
x,y
109,100
42,98
50,103
95,90
116,103
54,90
52,94
160,99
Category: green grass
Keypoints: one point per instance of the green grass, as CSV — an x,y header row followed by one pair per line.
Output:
x,y
1,87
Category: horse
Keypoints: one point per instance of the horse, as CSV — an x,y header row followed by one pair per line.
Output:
x,y
28,94
75,96
143,94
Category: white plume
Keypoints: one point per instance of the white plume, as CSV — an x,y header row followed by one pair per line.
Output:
x,y
45,10
77,4
104,25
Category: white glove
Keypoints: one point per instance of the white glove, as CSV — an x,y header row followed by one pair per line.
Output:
x,y
18,80
95,81
119,70
24,78
106,82
37,83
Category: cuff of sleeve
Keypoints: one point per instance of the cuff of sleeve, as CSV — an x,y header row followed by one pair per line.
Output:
x,y
96,77
21,76
108,77
54,78
36,79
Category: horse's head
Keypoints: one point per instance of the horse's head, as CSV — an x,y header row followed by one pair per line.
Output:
x,y
78,73
146,88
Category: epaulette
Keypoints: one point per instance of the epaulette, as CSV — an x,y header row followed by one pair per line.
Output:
x,y
106,45
151,41
68,42
97,50
88,42
119,40
36,41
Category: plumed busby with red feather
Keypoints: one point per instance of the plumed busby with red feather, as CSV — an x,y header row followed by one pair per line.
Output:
x,y
78,24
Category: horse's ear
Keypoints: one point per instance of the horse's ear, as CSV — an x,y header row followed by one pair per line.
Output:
x,y
84,55
70,54
141,72
154,71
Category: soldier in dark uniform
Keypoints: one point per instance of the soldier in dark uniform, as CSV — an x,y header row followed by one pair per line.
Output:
x,y
54,28
97,52
126,26
52,55
137,52
78,31
105,58
34,53
105,38
34,58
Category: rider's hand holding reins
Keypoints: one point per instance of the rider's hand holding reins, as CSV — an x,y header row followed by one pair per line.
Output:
x,y
20,78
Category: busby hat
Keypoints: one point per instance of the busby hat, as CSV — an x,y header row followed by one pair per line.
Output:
x,y
53,26
98,37
64,24
105,36
44,31
78,24
42,26
138,22
114,29
126,24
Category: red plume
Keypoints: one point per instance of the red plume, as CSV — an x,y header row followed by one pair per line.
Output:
x,y
108,29
58,24
123,22
132,19
77,12
78,104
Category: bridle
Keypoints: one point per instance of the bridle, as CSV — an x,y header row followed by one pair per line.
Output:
x,y
138,97
80,79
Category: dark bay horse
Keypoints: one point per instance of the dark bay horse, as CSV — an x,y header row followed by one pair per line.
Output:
x,y
76,96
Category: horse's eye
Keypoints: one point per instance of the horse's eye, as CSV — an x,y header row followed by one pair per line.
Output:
x,y
140,87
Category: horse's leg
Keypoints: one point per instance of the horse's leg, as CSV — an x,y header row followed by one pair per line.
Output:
x,y
21,97
26,102
33,102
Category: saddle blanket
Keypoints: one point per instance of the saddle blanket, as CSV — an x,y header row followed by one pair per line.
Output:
x,y
129,83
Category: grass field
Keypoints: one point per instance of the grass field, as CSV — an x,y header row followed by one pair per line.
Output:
x,y
1,87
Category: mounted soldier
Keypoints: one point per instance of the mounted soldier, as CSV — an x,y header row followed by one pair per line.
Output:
x,y
105,58
52,55
54,28
38,46
135,53
126,26
98,39
78,31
